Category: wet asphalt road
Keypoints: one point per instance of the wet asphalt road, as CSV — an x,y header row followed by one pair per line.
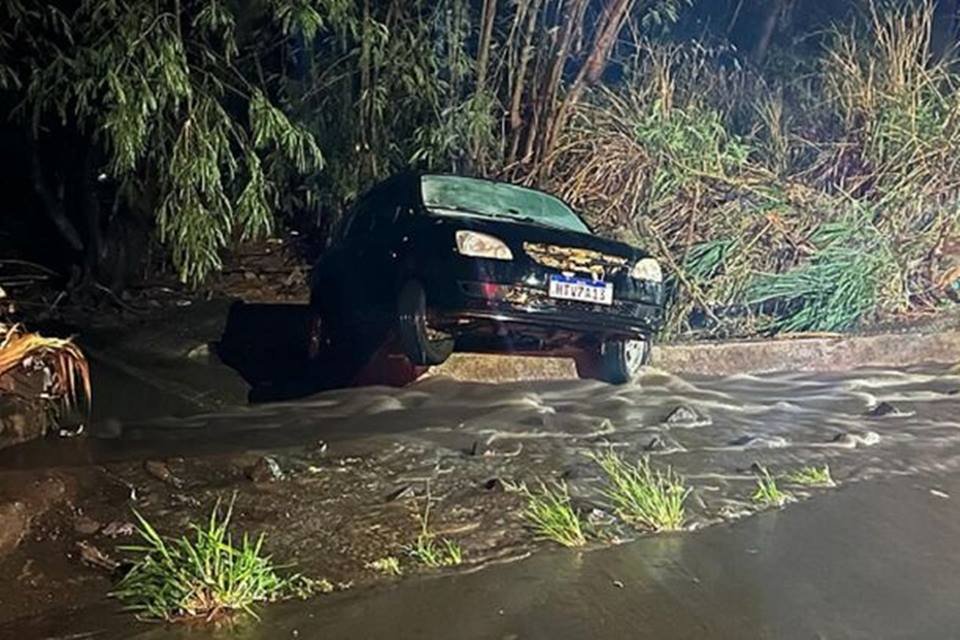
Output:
x,y
874,560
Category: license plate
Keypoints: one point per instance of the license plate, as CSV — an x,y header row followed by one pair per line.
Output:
x,y
581,290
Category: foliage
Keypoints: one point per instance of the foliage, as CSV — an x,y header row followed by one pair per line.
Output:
x,y
430,550
434,553
643,496
811,189
203,576
175,94
812,476
837,287
773,209
213,119
70,370
551,516
389,565
767,493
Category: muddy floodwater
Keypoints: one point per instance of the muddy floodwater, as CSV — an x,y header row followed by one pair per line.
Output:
x,y
337,480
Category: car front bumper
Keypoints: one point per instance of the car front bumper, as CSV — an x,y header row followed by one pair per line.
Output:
x,y
531,308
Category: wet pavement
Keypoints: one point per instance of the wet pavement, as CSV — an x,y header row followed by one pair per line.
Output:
x,y
878,560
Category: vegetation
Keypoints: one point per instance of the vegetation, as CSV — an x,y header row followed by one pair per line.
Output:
x,y
389,565
768,494
795,170
432,551
812,476
70,382
204,576
777,210
643,496
551,516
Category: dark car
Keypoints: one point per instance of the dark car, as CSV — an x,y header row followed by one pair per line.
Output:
x,y
465,264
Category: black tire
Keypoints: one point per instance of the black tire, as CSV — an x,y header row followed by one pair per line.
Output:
x,y
615,361
418,345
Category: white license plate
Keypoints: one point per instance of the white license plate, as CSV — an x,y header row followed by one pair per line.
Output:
x,y
581,290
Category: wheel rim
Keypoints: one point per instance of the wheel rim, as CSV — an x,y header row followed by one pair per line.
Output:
x,y
634,354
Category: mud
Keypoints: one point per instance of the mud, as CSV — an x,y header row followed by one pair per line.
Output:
x,y
355,466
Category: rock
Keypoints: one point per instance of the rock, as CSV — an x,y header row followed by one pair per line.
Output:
x,y
159,470
662,444
14,522
22,419
86,526
91,555
116,529
760,442
201,352
404,492
266,469
853,440
320,446
685,416
883,409
599,517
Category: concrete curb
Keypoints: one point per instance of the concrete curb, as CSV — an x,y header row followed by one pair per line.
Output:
x,y
726,358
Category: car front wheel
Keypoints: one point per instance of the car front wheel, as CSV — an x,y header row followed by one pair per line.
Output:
x,y
615,361
421,344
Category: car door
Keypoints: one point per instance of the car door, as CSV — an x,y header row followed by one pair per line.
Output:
x,y
377,254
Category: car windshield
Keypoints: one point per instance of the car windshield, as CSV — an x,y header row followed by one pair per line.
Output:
x,y
497,199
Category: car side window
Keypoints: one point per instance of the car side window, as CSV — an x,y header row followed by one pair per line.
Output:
x,y
376,213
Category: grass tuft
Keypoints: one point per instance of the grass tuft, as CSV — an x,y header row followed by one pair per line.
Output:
x,y
644,496
768,494
812,477
551,516
430,550
436,552
204,575
388,565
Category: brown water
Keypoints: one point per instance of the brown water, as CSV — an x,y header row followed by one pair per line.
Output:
x,y
781,421
870,559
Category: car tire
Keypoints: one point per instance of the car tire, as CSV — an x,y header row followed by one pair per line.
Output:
x,y
615,361
419,347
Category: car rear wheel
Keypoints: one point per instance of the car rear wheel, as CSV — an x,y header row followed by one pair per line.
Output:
x,y
615,361
422,345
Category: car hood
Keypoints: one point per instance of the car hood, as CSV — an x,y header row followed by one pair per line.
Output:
x,y
517,232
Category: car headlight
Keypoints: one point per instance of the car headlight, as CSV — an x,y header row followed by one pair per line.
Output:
x,y
481,245
647,269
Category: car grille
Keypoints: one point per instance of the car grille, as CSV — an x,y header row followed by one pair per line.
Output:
x,y
574,259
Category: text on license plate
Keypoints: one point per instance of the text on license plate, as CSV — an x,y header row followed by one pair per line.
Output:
x,y
581,290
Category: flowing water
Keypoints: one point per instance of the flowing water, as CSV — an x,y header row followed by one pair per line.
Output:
x,y
866,425
714,431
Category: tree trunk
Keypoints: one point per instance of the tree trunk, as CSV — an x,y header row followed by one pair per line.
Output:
x,y
486,37
611,22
